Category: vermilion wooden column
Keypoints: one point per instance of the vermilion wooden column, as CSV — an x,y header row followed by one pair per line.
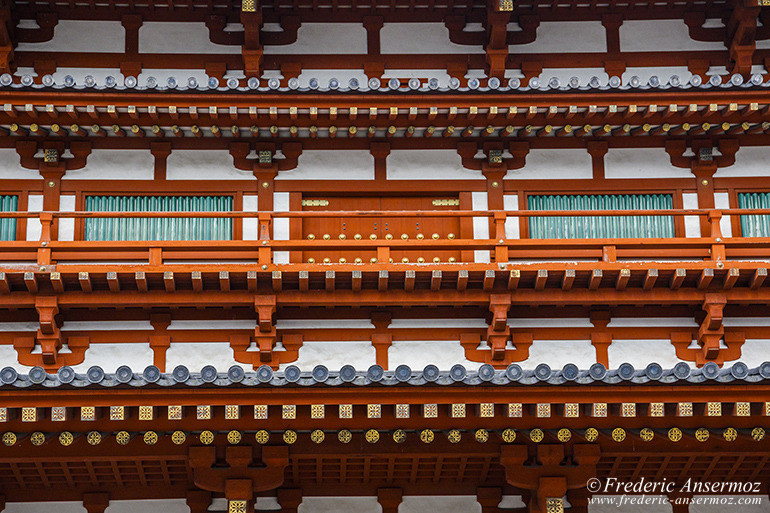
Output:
x,y
380,152
489,498
704,185
161,152
579,498
198,501
52,174
289,499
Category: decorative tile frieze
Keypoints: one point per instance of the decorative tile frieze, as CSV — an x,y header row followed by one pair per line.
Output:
x,y
515,410
684,409
260,411
430,411
87,413
458,411
373,411
175,412
599,410
402,411
543,410
317,411
346,411
117,412
203,412
146,413
656,410
572,410
628,410
29,414
743,409
232,412
487,410
59,414
289,411
713,409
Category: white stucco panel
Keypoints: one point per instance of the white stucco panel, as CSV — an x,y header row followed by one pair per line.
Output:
x,y
511,202
319,38
558,353
203,165
755,352
420,38
428,165
565,37
81,36
187,37
46,507
11,167
331,165
34,228
641,163
418,354
339,505
111,356
453,503
149,506
10,358
691,223
197,355
554,165
115,165
660,35
334,355
641,353
749,161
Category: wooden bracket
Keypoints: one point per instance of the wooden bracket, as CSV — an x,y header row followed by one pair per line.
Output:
x,y
238,474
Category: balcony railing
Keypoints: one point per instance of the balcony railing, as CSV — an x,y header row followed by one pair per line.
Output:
x,y
502,249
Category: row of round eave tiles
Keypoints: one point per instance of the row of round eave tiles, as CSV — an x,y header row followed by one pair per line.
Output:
x,y
394,84
402,374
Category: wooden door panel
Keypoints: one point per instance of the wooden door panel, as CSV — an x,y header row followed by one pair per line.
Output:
x,y
334,227
420,225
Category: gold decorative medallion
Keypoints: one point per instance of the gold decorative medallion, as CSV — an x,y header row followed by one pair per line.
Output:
x,y
674,434
454,436
618,434
236,507
481,435
234,437
289,436
487,410
203,412
262,436
9,438
344,436
317,436
117,413
372,436
260,411
509,435
646,434
399,436
427,436
122,437
37,438
656,409
702,434
592,434
536,435
730,434
178,437
94,437
758,434
206,437
66,438
571,410
151,438
554,505
564,435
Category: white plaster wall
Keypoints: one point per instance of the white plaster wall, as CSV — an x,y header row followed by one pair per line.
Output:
x,y
428,165
320,324
188,37
565,37
418,354
755,352
250,224
318,38
558,353
566,322
331,165
339,505
722,200
115,165
11,167
554,164
213,324
669,322
149,506
45,507
511,202
691,223
199,354
67,226
203,164
641,163
10,358
421,38
267,504
439,504
565,74
479,201
81,36
111,356
34,228
641,353
334,355
281,225
749,161
660,35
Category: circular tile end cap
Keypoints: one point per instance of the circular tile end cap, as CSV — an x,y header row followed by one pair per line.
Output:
x,y
66,374
486,372
626,371
8,375
235,374
264,373
739,370
543,372
764,370
180,374
430,373
653,371
375,373
570,371
347,373
292,373
124,374
151,374
710,370
403,373
320,373
457,372
209,374
513,372
95,374
597,371
682,370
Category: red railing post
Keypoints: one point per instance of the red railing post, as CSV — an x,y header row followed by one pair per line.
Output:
x,y
714,220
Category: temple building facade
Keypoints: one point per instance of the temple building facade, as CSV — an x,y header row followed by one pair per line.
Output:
x,y
310,256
